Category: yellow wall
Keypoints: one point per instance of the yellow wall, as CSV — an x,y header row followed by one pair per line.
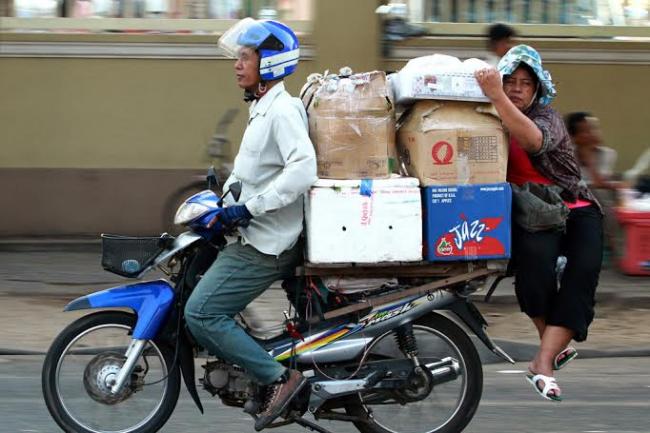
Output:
x,y
74,128
161,113
120,113
348,34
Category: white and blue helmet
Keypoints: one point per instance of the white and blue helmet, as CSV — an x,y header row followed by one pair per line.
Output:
x,y
276,44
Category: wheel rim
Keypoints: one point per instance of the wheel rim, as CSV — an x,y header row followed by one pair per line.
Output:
x,y
127,413
435,411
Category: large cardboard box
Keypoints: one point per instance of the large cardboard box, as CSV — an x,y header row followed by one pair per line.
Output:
x,y
352,125
364,221
452,142
467,222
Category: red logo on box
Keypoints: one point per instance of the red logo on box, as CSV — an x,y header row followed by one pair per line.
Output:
x,y
442,152
444,248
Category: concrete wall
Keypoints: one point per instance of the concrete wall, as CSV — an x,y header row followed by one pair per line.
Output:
x,y
92,145
97,131
117,113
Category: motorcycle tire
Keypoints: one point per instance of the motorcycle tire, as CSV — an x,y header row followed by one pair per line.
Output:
x,y
84,326
466,407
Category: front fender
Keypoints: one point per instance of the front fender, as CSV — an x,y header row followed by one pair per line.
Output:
x,y
150,300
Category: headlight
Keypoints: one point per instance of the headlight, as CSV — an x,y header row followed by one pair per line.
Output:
x,y
188,212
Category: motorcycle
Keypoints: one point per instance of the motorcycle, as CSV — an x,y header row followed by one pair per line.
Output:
x,y
385,359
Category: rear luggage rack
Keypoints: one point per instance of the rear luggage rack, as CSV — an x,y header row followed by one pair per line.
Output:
x,y
449,274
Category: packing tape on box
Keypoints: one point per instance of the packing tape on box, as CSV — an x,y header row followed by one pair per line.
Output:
x,y
366,187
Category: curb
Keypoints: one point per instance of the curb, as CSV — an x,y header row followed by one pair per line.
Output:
x,y
520,352
51,244
636,300
13,352
632,300
523,352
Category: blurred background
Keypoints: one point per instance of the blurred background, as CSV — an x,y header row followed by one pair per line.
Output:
x,y
111,107
592,12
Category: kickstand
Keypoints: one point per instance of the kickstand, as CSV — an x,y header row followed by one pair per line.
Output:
x,y
310,425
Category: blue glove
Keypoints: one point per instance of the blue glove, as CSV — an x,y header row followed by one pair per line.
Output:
x,y
237,215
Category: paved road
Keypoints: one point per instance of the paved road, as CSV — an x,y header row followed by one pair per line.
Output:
x,y
602,396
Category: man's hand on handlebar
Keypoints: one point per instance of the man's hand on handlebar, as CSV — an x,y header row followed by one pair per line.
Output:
x,y
233,216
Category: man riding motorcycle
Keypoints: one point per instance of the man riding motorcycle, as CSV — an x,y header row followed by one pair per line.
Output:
x,y
276,165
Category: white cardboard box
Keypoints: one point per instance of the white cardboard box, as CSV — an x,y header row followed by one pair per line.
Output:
x,y
367,221
461,86
437,77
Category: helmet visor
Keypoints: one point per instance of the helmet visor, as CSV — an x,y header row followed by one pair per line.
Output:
x,y
246,33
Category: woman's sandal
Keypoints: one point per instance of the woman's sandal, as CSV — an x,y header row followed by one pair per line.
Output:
x,y
549,385
564,357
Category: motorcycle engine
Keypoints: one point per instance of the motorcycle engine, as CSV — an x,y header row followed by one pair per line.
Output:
x,y
229,382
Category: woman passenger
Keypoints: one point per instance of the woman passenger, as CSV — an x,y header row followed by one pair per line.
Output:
x,y
541,152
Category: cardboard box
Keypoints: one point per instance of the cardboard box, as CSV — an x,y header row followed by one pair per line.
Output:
x,y
352,126
467,222
364,221
451,142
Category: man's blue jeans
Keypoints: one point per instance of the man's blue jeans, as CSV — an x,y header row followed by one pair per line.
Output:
x,y
238,276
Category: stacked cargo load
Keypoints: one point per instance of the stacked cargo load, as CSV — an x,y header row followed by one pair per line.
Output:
x,y
451,139
451,202
358,211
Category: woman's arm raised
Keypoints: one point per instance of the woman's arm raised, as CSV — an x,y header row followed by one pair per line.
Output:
x,y
524,130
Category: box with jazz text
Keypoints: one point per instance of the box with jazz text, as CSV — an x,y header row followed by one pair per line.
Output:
x,y
467,222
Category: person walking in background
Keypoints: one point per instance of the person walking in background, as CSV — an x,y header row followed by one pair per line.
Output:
x,y
82,9
275,165
541,152
596,161
500,40
596,166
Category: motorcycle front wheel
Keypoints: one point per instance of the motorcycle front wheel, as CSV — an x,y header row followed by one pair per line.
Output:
x,y
443,401
79,368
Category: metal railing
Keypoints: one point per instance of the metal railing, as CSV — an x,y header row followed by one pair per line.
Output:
x,y
193,9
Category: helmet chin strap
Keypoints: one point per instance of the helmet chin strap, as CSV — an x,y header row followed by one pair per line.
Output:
x,y
254,95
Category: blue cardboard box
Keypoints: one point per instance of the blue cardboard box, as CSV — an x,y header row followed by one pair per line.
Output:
x,y
466,222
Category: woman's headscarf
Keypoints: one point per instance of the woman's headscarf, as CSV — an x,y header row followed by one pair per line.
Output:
x,y
528,55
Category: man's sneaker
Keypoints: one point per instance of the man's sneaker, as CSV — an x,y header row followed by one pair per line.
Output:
x,y
278,396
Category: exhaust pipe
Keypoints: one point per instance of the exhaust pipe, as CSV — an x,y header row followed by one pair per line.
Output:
x,y
446,370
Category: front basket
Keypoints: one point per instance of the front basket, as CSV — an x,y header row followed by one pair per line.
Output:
x,y
129,256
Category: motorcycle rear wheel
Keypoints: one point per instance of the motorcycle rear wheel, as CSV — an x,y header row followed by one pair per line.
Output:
x,y
449,406
75,374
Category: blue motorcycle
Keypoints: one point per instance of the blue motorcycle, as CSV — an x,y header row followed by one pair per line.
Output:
x,y
381,358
